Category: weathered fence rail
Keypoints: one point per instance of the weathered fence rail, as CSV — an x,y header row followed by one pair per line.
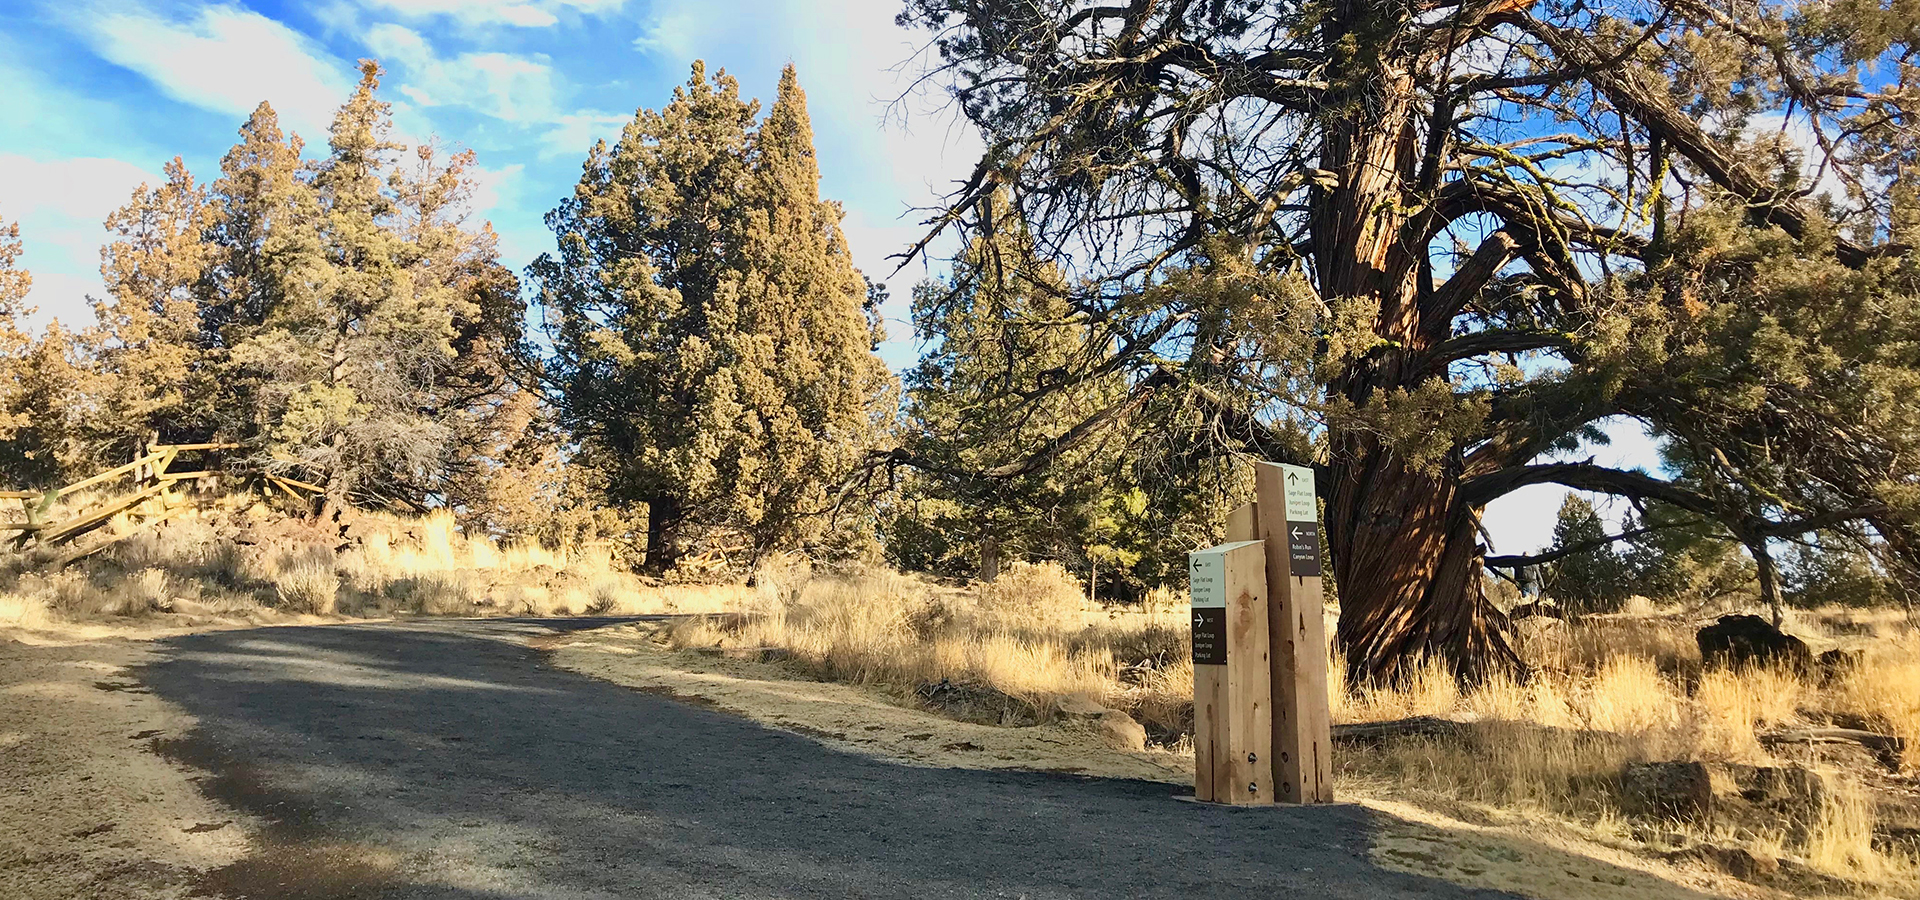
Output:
x,y
149,491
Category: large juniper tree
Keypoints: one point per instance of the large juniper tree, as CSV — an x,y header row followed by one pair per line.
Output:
x,y
337,317
714,354
1449,237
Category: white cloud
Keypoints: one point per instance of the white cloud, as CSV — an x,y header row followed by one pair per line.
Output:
x,y
225,59
62,207
672,33
507,87
574,132
474,13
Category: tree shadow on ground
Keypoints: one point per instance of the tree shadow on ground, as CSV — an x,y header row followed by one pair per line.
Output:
x,y
445,760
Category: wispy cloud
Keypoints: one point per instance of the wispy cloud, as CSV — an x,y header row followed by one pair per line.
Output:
x,y
576,131
517,13
503,85
222,58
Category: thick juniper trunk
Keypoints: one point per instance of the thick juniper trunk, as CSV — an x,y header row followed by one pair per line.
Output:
x,y
1407,557
663,535
1405,548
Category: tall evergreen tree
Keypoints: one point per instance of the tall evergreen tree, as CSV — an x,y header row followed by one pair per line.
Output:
x,y
145,346
1591,577
262,231
350,343
40,386
714,355
15,282
997,330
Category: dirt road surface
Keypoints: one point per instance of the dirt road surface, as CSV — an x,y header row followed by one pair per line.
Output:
x,y
445,760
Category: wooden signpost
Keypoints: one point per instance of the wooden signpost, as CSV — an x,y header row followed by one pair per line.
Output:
x,y
1279,535
1232,705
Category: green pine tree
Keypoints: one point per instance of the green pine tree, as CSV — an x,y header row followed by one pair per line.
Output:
x,y
1593,578
145,347
999,331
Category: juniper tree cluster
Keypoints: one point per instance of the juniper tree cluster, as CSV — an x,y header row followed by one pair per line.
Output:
x,y
713,351
337,316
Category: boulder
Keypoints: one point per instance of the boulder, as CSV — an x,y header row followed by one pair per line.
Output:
x,y
1740,862
1667,790
1750,640
1121,732
1116,728
1836,663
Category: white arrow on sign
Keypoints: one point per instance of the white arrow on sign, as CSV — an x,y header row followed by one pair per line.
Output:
x,y
1296,533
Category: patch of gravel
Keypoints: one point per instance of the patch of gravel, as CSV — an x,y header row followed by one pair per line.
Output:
x,y
87,808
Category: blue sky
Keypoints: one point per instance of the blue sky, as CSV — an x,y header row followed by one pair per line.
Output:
x,y
99,95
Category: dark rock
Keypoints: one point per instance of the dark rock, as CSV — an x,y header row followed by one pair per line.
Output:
x,y
1750,640
1672,790
1837,663
1740,863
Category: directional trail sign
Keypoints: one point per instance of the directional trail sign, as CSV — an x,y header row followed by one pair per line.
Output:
x,y
1303,522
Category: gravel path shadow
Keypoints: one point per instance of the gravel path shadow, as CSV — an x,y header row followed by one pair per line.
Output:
x,y
443,760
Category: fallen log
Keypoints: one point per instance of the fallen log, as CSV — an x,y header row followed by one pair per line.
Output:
x,y
1887,746
1378,732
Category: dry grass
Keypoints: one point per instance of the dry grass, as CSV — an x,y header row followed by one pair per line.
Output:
x,y
249,563
1026,638
1884,690
1620,689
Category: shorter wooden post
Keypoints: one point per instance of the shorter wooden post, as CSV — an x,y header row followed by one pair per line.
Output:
x,y
1232,699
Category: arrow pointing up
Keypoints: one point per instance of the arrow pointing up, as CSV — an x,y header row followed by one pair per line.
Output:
x,y
1293,476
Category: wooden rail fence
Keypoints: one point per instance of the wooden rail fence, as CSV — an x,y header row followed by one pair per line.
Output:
x,y
149,491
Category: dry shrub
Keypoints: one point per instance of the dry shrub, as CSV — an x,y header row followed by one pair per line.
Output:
x,y
72,594
1884,690
147,591
437,594
1733,705
1628,695
22,610
306,583
1034,595
224,563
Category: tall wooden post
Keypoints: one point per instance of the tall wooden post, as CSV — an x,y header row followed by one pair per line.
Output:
x,y
1286,519
1232,684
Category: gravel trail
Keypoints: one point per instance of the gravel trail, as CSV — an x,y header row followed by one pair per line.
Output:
x,y
444,759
